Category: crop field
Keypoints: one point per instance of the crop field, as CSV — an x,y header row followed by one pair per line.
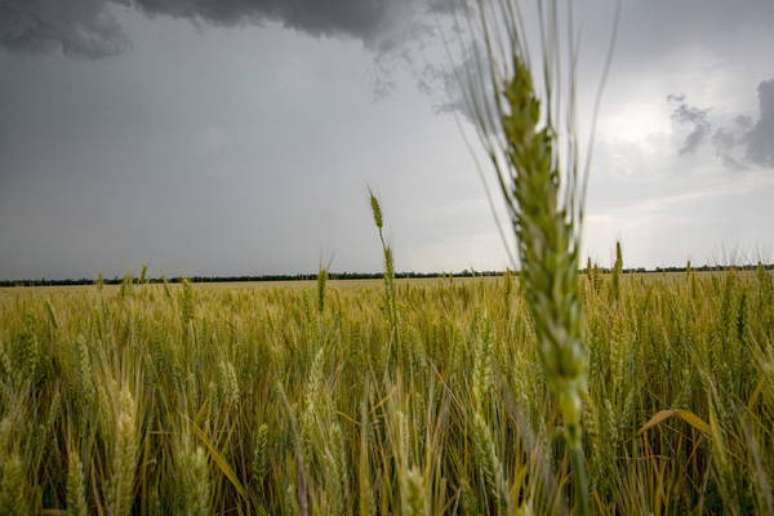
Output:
x,y
212,137
420,397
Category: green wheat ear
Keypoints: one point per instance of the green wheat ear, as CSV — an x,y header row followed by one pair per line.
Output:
x,y
617,271
529,138
548,252
389,267
322,279
76,488
376,210
14,488
124,456
260,462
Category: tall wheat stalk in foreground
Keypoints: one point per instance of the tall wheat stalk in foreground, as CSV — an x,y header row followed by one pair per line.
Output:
x,y
528,133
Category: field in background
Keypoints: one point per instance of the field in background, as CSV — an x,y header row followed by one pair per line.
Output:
x,y
305,398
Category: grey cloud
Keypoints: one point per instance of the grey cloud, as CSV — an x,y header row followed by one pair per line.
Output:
x,y
692,117
725,141
87,28
732,163
649,32
358,18
760,139
76,27
744,121
753,139
463,89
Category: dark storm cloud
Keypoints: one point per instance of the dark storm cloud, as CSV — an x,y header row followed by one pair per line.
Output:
x,y
87,27
737,143
358,18
693,118
76,27
760,139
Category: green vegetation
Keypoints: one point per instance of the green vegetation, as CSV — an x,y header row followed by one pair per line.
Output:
x,y
545,392
340,398
527,131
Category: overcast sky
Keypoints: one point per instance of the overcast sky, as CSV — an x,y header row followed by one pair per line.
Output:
x,y
228,137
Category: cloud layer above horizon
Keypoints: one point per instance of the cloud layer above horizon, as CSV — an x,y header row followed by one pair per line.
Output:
x,y
89,28
238,136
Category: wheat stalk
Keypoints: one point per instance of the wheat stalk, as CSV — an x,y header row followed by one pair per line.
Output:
x,y
124,456
76,489
528,134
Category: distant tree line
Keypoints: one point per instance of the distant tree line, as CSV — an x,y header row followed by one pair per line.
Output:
x,y
467,273
43,282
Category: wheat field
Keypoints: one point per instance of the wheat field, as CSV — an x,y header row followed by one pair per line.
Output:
x,y
333,398
555,390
